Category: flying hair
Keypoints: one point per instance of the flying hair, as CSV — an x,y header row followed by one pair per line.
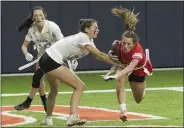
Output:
x,y
130,19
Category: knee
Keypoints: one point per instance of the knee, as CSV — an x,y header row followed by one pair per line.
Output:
x,y
37,78
81,87
138,99
42,82
119,86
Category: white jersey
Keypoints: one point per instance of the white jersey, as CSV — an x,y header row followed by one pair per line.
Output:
x,y
49,35
70,47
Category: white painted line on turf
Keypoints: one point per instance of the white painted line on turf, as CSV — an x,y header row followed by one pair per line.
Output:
x,y
95,71
64,116
135,126
27,119
97,91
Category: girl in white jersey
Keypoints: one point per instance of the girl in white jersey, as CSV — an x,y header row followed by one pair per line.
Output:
x,y
52,64
43,33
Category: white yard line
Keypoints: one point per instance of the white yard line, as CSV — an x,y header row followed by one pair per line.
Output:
x,y
136,126
97,91
94,71
27,119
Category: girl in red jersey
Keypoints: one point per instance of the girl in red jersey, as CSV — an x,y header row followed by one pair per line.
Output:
x,y
130,52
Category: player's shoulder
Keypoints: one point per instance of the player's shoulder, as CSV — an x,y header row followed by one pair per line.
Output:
x,y
51,23
31,29
82,35
138,48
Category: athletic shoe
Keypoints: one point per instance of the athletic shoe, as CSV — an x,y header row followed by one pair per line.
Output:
x,y
74,119
47,121
123,116
22,106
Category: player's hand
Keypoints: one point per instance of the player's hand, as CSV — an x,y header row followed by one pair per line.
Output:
x,y
122,66
118,76
113,57
28,57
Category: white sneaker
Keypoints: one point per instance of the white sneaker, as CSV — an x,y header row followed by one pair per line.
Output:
x,y
47,121
74,119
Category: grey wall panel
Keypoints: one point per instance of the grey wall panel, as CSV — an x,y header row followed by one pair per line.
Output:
x,y
13,13
69,15
178,33
160,33
160,28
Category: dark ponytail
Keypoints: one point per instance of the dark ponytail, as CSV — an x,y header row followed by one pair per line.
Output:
x,y
26,24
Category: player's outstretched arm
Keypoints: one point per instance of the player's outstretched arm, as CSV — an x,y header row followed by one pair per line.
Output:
x,y
128,69
101,56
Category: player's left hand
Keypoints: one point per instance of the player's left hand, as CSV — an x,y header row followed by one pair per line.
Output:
x,y
114,57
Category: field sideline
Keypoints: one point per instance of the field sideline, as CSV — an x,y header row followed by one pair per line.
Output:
x,y
180,89
95,71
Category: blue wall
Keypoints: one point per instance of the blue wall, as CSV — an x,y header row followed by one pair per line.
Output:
x,y
160,28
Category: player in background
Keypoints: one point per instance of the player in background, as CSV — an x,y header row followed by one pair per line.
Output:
x,y
43,33
130,53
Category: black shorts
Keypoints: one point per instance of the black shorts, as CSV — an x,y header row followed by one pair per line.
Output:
x,y
134,78
47,64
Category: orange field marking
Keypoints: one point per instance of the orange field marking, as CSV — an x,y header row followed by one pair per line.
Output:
x,y
88,113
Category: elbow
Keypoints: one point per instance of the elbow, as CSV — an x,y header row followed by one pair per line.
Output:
x,y
23,47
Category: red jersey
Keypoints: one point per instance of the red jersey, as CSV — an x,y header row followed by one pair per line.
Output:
x,y
144,66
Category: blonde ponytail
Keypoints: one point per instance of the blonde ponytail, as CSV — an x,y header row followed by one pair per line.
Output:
x,y
130,19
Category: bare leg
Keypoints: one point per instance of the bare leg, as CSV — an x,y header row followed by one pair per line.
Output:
x,y
35,83
138,90
121,95
120,89
41,89
54,84
66,76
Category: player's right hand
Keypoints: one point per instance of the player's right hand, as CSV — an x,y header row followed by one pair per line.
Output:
x,y
28,57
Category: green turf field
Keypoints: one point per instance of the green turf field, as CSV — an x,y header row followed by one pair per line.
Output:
x,y
161,102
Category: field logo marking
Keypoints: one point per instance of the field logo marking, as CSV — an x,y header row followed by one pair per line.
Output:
x,y
91,114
